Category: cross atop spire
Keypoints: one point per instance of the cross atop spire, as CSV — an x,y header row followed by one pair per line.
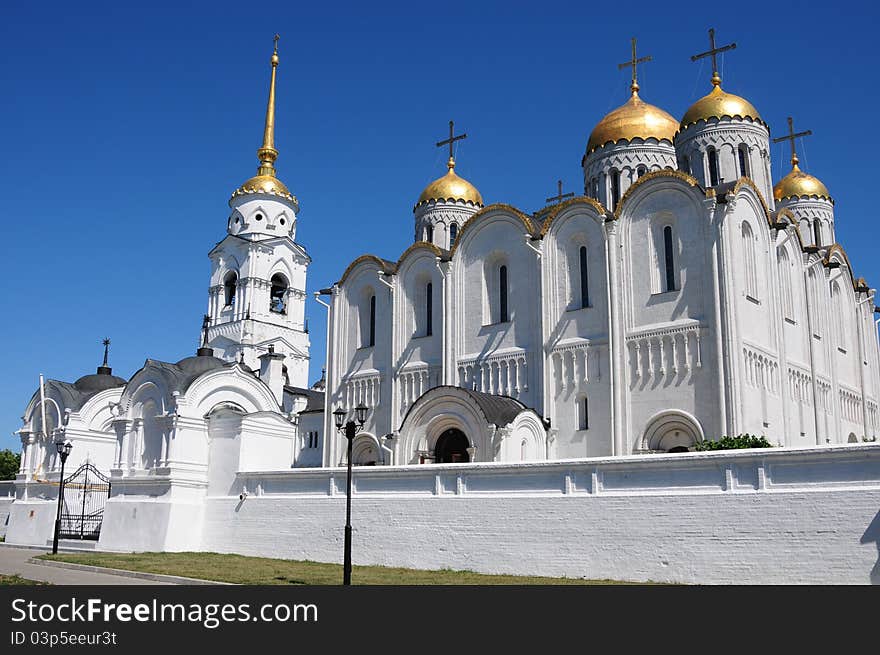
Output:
x,y
106,343
559,197
713,52
635,61
267,153
451,140
790,137
206,321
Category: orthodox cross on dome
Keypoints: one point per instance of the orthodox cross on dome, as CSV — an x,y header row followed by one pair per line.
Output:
x,y
633,63
559,197
275,39
713,52
451,140
106,343
790,137
206,320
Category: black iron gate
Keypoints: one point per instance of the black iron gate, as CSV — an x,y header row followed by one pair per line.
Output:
x,y
82,512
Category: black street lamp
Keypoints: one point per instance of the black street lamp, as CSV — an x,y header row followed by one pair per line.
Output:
x,y
63,448
349,429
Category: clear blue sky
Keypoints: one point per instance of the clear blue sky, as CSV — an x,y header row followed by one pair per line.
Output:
x,y
124,130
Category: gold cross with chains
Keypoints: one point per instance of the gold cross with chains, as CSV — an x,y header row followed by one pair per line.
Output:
x,y
559,197
713,52
451,140
635,61
276,43
790,137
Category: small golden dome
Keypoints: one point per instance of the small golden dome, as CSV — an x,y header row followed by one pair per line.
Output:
x,y
635,119
798,184
451,187
264,184
718,104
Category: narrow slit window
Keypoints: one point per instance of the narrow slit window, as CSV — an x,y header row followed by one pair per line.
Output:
x,y
502,295
372,333
453,232
583,414
585,287
668,259
429,309
713,166
429,234
615,188
743,167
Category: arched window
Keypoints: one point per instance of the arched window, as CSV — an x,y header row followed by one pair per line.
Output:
x,y
502,295
429,234
668,259
641,171
785,281
817,232
615,188
453,232
230,282
743,156
585,287
596,187
583,413
429,309
712,155
278,294
749,268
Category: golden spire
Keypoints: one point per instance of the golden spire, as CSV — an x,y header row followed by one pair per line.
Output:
x,y
713,52
790,137
267,153
635,61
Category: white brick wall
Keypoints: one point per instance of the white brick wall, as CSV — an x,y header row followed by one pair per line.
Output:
x,y
750,517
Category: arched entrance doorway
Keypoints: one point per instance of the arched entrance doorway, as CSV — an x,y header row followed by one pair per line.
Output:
x,y
451,447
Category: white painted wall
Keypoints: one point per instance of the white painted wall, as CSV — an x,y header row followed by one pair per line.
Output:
x,y
747,517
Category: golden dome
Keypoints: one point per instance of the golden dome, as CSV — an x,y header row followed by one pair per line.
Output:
x,y
798,184
264,184
451,187
718,104
635,119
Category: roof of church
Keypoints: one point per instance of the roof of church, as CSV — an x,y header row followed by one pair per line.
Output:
x,y
499,410
314,399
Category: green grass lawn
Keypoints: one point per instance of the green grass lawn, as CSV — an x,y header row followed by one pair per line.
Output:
x,y
6,580
239,569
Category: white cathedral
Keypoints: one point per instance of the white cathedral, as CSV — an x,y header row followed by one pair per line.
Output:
x,y
683,297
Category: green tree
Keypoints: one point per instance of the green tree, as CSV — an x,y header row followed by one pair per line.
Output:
x,y
9,463
740,441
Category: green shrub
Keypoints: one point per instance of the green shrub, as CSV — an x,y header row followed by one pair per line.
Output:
x,y
9,462
727,443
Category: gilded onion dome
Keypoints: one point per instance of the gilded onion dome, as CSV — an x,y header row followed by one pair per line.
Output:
x,y
798,184
265,181
451,188
636,119
718,104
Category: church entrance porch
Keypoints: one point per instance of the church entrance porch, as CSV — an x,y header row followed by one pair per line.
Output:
x,y
452,447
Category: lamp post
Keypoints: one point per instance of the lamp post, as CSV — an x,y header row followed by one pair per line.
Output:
x,y
63,448
349,429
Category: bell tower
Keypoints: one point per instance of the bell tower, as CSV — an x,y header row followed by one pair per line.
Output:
x,y
256,300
